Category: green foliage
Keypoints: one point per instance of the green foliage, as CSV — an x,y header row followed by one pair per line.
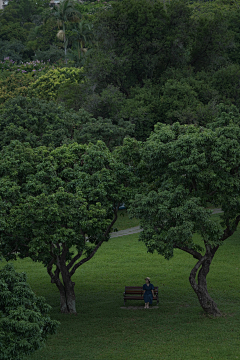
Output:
x,y
88,9
63,13
13,32
29,67
43,123
226,82
53,55
184,168
142,40
42,37
24,320
13,85
107,104
48,85
38,122
15,50
52,201
227,115
142,109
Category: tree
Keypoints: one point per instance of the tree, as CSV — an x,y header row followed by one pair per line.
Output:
x,y
58,207
42,37
24,320
64,12
139,40
15,50
43,123
82,34
226,82
16,84
211,41
182,168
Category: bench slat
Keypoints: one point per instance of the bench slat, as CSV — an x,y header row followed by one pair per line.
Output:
x,y
136,293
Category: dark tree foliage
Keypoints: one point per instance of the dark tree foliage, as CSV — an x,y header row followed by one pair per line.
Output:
x,y
139,40
39,123
59,206
182,168
24,320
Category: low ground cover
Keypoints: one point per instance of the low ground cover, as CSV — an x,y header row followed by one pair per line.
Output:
x,y
177,330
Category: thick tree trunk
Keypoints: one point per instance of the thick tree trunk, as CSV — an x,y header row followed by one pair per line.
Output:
x,y
200,288
65,287
67,297
68,302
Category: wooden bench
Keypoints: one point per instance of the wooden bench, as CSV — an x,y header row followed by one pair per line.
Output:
x,y
136,293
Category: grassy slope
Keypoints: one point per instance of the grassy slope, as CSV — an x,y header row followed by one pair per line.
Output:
x,y
177,330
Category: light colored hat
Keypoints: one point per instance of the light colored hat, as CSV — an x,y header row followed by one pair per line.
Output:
x,y
147,278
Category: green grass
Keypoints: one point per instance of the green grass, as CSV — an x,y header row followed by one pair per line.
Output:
x,y
124,222
177,330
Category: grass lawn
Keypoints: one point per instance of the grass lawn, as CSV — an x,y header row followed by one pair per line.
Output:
x,y
177,330
124,222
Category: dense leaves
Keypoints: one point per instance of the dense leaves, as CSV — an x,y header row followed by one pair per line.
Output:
x,y
54,200
24,320
39,122
47,86
182,169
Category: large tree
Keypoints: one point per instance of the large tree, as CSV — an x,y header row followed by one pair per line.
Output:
x,y
58,207
182,168
138,40
65,11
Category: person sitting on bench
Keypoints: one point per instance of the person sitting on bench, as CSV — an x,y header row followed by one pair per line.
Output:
x,y
148,292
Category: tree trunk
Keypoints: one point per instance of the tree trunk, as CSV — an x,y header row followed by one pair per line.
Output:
x,y
67,296
68,286
65,43
63,302
65,287
200,288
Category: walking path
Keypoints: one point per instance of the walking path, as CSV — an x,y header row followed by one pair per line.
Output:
x,y
136,229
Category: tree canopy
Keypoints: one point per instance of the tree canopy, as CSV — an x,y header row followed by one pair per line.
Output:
x,y
40,122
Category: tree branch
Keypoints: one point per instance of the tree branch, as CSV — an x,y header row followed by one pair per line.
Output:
x,y
86,259
49,270
96,248
229,232
114,220
212,193
74,259
194,253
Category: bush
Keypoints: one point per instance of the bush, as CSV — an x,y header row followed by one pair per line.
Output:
x,y
24,320
14,85
48,85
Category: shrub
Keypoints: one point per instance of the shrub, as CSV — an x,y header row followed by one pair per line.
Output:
x,y
24,320
48,85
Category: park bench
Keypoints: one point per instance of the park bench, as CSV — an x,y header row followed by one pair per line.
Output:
x,y
136,293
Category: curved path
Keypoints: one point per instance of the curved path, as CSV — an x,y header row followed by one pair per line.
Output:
x,y
136,229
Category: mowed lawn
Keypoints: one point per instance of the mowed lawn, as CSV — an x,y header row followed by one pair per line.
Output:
x,y
177,330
